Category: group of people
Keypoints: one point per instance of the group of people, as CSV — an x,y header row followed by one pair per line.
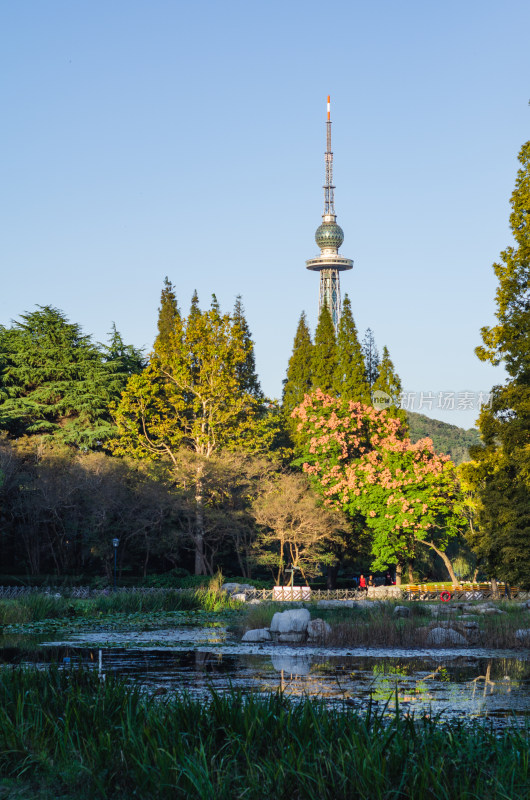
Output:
x,y
364,583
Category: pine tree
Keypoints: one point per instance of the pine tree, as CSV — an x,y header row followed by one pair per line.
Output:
x,y
248,377
56,381
126,359
350,373
298,381
371,357
324,361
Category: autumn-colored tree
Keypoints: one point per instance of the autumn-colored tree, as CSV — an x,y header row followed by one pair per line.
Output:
x,y
295,530
362,462
191,396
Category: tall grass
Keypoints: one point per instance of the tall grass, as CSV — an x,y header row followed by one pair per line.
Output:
x,y
91,739
38,607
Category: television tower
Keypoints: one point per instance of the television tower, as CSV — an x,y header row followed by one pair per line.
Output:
x,y
329,236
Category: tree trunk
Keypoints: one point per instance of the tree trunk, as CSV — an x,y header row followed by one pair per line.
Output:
x,y
331,577
444,558
411,573
495,588
199,523
399,570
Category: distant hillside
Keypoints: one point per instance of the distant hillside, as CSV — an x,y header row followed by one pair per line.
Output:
x,y
449,439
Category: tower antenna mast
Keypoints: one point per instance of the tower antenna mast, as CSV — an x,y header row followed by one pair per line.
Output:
x,y
329,236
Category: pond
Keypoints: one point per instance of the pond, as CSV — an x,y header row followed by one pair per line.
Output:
x,y
457,683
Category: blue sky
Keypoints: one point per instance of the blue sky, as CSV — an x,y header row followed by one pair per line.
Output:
x,y
144,139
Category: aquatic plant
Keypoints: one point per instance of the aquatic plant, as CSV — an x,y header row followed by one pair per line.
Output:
x,y
83,738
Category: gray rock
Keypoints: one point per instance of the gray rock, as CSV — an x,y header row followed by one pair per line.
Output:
x,y
240,596
292,637
318,630
293,620
442,636
492,610
254,602
257,635
523,636
469,616
468,624
402,611
338,603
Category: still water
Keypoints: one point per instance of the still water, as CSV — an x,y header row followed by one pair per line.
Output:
x,y
455,683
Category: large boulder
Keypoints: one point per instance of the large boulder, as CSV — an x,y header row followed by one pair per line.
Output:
x,y
233,588
257,635
318,630
402,611
445,636
292,637
293,620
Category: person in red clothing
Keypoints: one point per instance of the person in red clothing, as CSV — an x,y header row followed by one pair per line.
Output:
x,y
362,583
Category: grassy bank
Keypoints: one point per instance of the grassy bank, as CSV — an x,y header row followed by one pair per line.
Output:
x,y
83,738
38,607
378,626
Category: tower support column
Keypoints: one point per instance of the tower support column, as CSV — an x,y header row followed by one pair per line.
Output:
x,y
330,294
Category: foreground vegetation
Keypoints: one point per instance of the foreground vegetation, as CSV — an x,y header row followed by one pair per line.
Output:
x,y
77,736
39,607
379,626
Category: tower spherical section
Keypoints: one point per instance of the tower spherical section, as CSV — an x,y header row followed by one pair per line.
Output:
x,y
329,234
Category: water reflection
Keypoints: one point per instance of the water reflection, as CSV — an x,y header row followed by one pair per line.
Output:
x,y
460,685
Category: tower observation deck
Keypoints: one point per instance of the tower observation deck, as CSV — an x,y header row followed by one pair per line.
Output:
x,y
329,237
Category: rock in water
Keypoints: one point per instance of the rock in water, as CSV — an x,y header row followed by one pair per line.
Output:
x,y
294,620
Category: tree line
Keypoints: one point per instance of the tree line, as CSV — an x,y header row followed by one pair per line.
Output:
x,y
181,456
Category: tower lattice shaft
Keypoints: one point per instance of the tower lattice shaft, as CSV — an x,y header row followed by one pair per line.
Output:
x,y
329,237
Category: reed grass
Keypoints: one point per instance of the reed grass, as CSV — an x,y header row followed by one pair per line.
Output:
x,y
85,738
39,607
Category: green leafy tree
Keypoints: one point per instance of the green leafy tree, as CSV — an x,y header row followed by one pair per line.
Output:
x,y
324,361
298,381
190,397
500,470
56,382
363,463
350,372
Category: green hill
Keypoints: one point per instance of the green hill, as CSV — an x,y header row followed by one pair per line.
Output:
x,y
449,439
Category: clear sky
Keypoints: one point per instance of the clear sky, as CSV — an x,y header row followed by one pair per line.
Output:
x,y
150,138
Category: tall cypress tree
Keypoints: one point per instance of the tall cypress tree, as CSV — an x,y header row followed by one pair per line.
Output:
x,y
324,360
298,381
350,373
371,357
169,320
387,378
247,370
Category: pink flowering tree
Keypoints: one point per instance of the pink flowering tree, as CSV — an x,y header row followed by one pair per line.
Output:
x,y
362,461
